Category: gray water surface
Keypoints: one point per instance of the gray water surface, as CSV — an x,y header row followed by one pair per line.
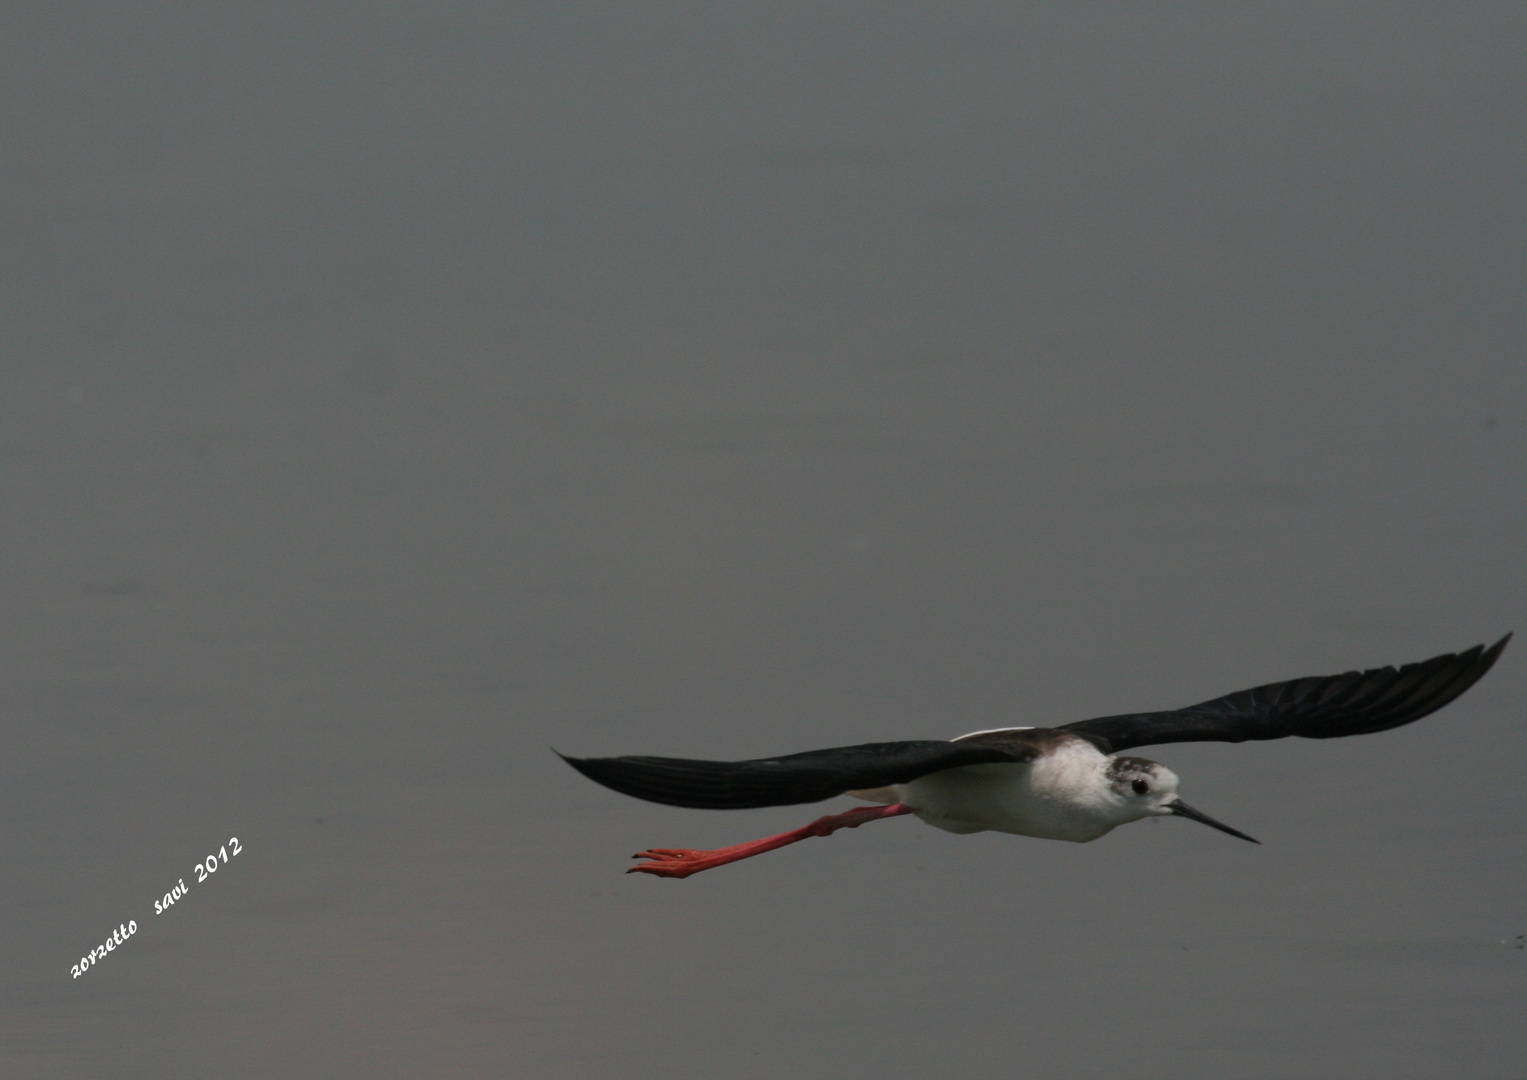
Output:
x,y
392,392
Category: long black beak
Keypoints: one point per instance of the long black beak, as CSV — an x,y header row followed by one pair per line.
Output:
x,y
1182,809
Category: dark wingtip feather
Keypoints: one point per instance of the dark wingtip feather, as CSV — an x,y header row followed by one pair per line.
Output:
x,y
628,777
1316,707
781,781
1403,696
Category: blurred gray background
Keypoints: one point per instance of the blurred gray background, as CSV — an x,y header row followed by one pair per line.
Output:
x,y
390,392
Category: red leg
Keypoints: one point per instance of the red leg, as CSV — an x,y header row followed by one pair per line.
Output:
x,y
681,862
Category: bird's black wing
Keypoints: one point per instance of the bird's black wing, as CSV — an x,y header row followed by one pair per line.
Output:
x,y
1319,707
782,781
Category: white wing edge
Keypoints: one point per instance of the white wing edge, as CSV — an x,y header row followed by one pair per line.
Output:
x,y
993,731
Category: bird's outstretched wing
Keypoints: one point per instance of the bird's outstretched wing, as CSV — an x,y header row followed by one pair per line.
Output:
x,y
784,781
1319,707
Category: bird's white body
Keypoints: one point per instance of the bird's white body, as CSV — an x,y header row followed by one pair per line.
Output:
x,y
1075,793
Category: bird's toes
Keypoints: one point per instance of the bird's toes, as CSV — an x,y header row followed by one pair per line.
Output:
x,y
661,853
662,870
671,862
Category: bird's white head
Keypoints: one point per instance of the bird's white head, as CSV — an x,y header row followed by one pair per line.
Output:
x,y
1142,789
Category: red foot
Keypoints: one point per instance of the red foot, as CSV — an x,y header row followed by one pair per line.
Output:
x,y
675,862
681,862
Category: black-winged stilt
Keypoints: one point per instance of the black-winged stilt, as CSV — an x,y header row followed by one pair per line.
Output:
x,y
1063,783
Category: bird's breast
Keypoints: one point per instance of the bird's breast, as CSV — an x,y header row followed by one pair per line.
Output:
x,y
1052,798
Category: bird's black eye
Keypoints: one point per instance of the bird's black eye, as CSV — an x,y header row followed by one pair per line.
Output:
x,y
1140,786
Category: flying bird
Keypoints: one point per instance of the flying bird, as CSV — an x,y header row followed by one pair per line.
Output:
x,y
1072,782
